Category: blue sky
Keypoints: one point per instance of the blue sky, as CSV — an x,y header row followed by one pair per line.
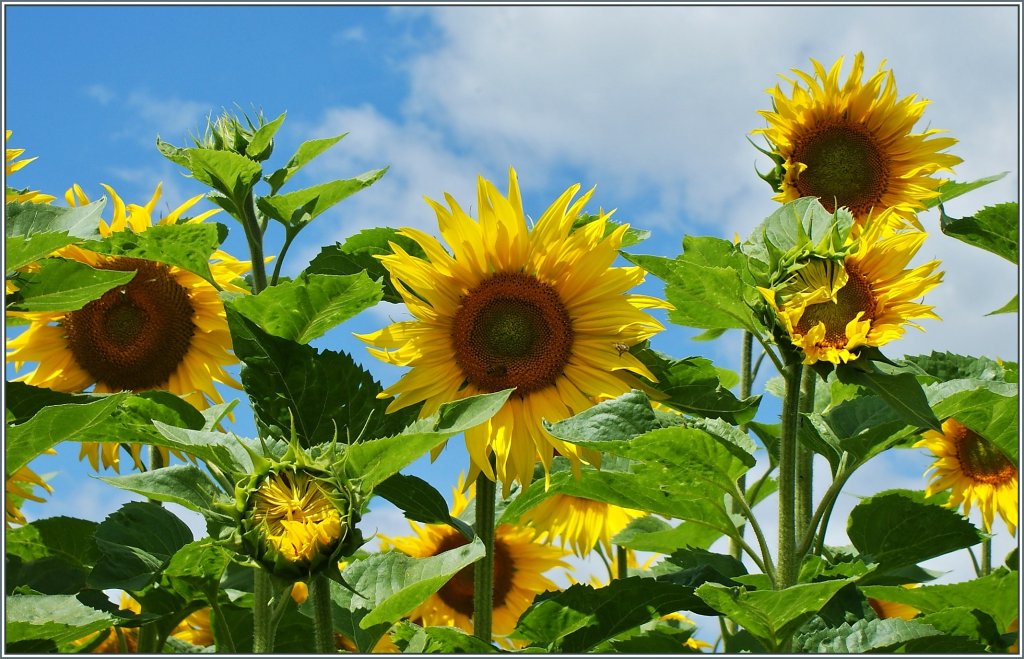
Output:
x,y
653,105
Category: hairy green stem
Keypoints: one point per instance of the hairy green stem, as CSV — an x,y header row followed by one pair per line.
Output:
x,y
788,561
805,460
323,624
149,637
824,510
986,557
622,562
483,570
264,627
289,236
254,236
745,385
765,564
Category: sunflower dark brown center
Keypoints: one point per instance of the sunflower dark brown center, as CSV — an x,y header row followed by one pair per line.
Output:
x,y
458,592
980,460
512,331
856,296
136,335
844,165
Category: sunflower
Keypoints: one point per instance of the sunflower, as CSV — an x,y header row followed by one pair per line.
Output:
x,y
849,144
164,329
581,523
831,309
975,469
520,562
20,486
297,517
540,310
194,628
11,166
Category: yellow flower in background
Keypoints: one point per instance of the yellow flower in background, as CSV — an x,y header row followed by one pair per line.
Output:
x,y
164,329
539,309
20,486
976,471
194,628
850,143
831,309
520,562
10,166
297,517
580,523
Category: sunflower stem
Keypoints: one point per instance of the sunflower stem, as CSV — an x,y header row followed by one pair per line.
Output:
x,y
621,562
483,570
805,460
788,561
986,557
289,236
735,550
264,628
323,624
254,236
148,638
221,628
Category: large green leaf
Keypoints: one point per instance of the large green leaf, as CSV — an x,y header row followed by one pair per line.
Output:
x,y
439,640
325,394
57,423
988,408
186,485
20,250
996,594
358,253
136,542
945,366
993,229
60,618
30,220
867,636
708,284
303,155
305,308
694,385
187,246
385,587
229,173
419,501
966,625
262,138
771,616
580,617
621,418
51,556
899,388
953,189
24,400
195,570
298,208
62,285
898,528
371,462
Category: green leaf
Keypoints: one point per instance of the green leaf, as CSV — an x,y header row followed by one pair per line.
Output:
x,y
51,556
953,189
419,501
771,616
325,394
54,424
305,153
988,408
385,587
900,390
371,462
195,570
186,485
187,246
945,366
801,224
358,253
24,400
62,285
993,229
229,173
439,640
29,220
20,250
136,542
867,636
298,208
60,618
694,385
967,625
1012,306
580,617
305,308
996,594
897,529
624,417
708,284
263,137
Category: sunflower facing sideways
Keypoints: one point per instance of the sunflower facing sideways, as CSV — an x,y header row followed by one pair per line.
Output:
x,y
976,471
830,309
539,309
164,329
850,144
580,523
519,565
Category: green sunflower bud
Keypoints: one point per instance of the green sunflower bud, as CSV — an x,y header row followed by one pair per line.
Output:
x,y
298,520
227,133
